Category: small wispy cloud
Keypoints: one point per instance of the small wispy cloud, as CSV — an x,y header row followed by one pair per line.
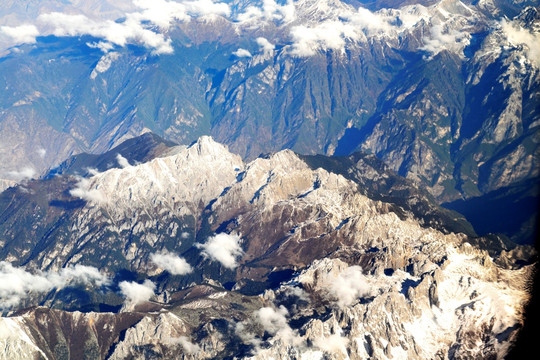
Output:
x,y
122,161
274,321
247,337
84,190
266,46
171,262
42,152
224,248
242,53
24,174
101,45
187,345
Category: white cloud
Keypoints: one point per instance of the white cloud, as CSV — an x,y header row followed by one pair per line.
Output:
x,y
333,34
160,12
163,13
266,46
171,262
371,22
329,35
42,152
273,320
270,11
122,161
24,174
519,36
246,336
188,346
242,53
140,27
275,323
207,7
92,171
84,190
297,292
131,31
444,39
17,283
101,45
332,344
223,248
349,285
21,34
136,293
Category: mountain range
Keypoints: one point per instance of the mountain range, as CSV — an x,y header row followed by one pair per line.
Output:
x,y
309,179
191,250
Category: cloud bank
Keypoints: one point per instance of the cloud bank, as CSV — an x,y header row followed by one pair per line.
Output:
x,y
17,284
144,27
308,28
171,262
21,34
332,34
131,31
224,248
137,27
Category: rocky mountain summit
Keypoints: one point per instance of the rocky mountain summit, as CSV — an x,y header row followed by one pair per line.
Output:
x,y
190,252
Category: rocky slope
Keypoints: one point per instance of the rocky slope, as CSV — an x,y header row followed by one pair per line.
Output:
x,y
275,258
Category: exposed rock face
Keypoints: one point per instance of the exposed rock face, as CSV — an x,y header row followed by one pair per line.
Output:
x,y
323,270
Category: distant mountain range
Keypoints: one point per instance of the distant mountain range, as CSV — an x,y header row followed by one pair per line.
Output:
x,y
446,93
411,98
